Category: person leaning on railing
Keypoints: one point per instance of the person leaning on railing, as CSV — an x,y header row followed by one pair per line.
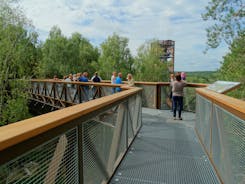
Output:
x,y
119,81
130,80
178,93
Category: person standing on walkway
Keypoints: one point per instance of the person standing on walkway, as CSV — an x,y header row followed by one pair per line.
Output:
x,y
113,80
96,90
84,78
130,80
178,93
119,81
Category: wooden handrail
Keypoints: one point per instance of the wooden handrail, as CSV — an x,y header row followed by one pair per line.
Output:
x,y
15,133
108,84
232,105
78,83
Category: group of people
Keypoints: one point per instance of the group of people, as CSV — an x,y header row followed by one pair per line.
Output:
x,y
177,83
83,77
117,79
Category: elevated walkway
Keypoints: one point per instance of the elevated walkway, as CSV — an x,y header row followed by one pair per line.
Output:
x,y
165,151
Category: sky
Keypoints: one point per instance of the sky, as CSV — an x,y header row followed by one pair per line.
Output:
x,y
138,20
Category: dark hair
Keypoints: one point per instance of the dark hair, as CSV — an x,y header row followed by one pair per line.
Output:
x,y
178,77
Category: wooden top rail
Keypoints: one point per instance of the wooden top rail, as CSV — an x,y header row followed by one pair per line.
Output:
x,y
233,105
107,83
15,133
75,82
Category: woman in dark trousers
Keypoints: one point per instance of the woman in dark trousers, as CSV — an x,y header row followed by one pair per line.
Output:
x,y
178,93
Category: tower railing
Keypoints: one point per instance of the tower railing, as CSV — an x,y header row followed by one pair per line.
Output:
x,y
79,144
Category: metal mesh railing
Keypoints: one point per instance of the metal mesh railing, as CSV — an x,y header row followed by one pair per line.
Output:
x,y
203,120
223,135
89,152
165,97
189,99
106,138
149,95
52,162
228,148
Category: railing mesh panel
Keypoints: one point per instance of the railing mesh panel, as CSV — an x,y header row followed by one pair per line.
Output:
x,y
96,149
165,97
203,120
106,137
189,99
148,95
52,162
223,135
228,148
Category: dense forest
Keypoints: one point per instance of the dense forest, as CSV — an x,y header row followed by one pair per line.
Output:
x,y
23,56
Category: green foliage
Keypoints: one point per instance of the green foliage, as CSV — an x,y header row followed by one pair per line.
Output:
x,y
206,77
18,60
115,56
233,66
61,55
228,21
148,65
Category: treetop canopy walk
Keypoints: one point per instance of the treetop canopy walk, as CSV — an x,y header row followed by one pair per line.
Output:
x,y
86,140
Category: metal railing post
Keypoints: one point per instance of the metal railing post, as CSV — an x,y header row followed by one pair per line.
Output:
x,y
158,97
80,153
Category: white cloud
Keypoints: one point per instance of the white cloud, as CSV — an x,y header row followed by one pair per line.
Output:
x,y
179,20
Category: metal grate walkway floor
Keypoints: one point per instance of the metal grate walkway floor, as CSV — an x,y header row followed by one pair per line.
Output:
x,y
165,151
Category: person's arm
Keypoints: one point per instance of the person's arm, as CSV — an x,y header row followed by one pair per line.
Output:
x,y
171,83
184,83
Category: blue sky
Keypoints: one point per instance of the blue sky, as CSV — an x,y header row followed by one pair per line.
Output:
x,y
138,20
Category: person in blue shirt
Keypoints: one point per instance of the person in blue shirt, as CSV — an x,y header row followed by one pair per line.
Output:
x,y
119,81
84,78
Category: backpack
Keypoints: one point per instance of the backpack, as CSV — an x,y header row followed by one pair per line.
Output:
x,y
96,79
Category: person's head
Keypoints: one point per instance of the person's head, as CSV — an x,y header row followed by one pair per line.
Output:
x,y
64,77
78,75
55,77
129,76
171,76
183,75
71,76
178,77
96,73
114,74
85,74
120,74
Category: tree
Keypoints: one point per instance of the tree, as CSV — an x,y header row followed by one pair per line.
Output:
x,y
148,65
62,55
115,56
233,66
228,17
18,59
54,55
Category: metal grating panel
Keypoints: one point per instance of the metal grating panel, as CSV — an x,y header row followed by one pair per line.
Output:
x,y
204,120
229,146
165,153
99,143
96,148
148,95
53,162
